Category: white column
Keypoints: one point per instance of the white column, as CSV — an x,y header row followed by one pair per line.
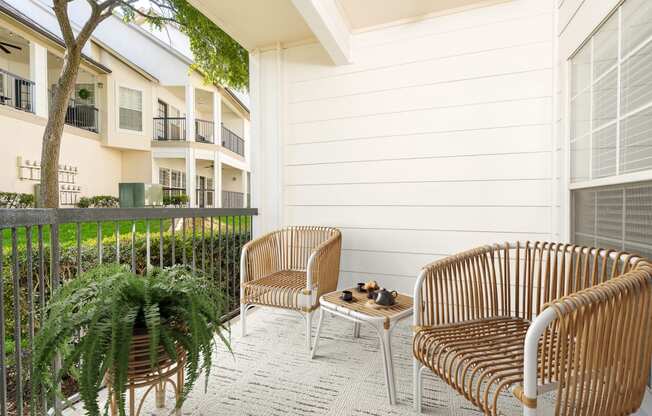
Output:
x,y
217,118
38,72
191,179
217,180
190,111
245,179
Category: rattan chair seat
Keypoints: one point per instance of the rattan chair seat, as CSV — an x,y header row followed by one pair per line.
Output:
x,y
480,359
281,289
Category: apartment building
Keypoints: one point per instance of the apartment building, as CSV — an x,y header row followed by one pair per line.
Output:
x,y
138,114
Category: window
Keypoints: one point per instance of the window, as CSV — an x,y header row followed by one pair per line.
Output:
x,y
131,109
164,177
611,133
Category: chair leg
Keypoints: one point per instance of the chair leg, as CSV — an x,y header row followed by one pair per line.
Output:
x,y
316,342
243,317
309,330
417,385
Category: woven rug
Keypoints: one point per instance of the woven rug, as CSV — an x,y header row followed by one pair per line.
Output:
x,y
270,374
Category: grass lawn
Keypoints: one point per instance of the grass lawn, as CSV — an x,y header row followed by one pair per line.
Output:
x,y
88,231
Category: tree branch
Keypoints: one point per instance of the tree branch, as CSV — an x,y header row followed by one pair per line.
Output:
x,y
60,8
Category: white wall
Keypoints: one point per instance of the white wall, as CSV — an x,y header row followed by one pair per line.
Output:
x,y
438,138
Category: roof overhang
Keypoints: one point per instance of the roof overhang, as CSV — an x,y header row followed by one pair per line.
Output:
x,y
261,24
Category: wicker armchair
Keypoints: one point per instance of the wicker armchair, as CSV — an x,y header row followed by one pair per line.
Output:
x,y
537,318
290,269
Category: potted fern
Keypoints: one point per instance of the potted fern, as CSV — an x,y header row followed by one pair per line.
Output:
x,y
93,320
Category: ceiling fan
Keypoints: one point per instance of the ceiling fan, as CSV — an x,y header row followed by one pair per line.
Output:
x,y
4,47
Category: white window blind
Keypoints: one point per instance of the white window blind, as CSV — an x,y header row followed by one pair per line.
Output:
x,y
131,109
611,97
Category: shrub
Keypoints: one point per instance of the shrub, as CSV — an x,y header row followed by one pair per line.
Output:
x,y
98,201
175,200
16,200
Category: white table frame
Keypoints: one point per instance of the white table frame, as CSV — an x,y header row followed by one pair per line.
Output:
x,y
383,327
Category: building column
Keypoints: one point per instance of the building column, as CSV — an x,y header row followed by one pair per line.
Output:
x,y
245,182
217,180
38,72
191,177
217,118
190,111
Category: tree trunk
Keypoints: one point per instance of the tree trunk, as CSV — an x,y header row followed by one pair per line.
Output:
x,y
54,129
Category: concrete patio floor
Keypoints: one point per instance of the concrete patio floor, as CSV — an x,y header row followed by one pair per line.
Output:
x,y
270,374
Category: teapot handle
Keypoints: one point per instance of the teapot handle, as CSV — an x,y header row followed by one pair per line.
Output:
x,y
394,293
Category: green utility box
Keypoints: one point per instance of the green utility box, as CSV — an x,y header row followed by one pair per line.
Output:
x,y
139,195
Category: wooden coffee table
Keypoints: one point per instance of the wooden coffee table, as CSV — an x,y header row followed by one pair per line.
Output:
x,y
382,320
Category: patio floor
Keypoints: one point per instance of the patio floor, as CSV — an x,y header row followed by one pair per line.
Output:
x,y
271,374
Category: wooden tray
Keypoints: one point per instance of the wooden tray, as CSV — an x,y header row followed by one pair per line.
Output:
x,y
373,305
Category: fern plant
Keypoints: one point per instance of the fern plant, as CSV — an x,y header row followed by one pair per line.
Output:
x,y
91,320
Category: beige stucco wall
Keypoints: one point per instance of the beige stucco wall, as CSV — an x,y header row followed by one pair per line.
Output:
x,y
136,166
124,76
100,168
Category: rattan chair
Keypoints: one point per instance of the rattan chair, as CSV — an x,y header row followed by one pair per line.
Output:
x,y
531,319
290,269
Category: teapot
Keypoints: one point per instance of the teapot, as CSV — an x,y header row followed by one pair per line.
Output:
x,y
385,298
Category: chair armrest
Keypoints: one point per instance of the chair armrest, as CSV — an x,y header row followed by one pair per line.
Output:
x,y
597,338
259,258
324,265
455,289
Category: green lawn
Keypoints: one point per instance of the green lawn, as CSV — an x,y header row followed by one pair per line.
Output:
x,y
88,231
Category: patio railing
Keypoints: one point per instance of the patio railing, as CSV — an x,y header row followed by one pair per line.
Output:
x,y
204,130
83,116
40,249
232,199
169,128
232,141
16,91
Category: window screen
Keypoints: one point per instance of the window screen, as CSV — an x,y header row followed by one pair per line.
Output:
x,y
617,217
131,109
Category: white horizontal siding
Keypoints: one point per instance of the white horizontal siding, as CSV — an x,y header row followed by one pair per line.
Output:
x,y
437,138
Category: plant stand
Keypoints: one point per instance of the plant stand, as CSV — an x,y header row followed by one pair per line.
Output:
x,y
142,375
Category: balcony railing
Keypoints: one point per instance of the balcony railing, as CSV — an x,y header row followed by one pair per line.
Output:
x,y
232,199
40,249
204,131
169,128
83,116
16,91
232,141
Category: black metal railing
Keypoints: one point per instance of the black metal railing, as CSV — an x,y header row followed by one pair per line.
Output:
x,y
204,131
16,91
232,141
40,249
169,128
232,199
83,116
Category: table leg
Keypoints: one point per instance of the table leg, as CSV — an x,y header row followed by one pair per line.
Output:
x,y
389,362
314,346
356,330
383,335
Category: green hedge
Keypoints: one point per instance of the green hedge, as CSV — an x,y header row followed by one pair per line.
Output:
x,y
16,200
99,201
226,257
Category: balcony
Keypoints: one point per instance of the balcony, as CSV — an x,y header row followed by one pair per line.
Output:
x,y
232,141
169,128
16,92
204,131
83,116
232,199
